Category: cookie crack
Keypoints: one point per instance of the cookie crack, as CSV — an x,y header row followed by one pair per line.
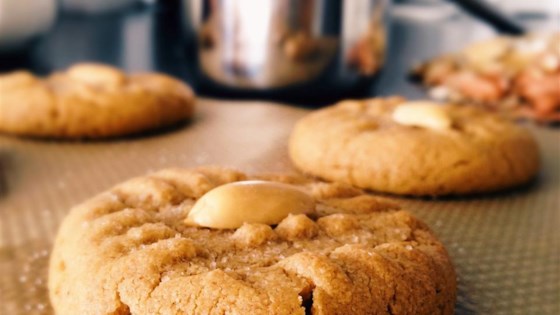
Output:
x,y
390,305
118,228
307,300
306,294
176,190
123,308
162,270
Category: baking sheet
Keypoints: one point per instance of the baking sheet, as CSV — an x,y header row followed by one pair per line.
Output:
x,y
506,247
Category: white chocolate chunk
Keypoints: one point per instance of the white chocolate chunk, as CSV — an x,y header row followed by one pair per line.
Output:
x,y
422,114
229,206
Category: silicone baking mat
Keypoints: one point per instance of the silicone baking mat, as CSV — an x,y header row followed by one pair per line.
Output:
x,y
506,247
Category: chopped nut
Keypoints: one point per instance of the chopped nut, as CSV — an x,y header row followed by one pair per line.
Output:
x,y
481,88
550,63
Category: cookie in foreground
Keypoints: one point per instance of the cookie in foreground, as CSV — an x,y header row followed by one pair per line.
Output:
x,y
91,101
217,241
415,148
515,75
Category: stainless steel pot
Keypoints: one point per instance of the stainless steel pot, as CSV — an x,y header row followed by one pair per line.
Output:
x,y
299,47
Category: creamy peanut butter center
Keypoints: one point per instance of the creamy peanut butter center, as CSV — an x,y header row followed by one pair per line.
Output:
x,y
229,206
422,114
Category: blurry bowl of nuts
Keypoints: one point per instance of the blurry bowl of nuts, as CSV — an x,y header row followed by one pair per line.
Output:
x,y
308,49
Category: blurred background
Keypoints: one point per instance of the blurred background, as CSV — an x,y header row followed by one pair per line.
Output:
x,y
310,52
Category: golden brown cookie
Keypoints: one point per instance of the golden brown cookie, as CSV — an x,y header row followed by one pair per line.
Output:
x,y
147,247
516,75
91,101
414,148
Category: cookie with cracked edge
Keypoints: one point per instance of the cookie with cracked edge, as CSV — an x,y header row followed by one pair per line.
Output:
x,y
459,150
133,250
91,101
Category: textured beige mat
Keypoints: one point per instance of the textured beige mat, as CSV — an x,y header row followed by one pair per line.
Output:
x,y
506,247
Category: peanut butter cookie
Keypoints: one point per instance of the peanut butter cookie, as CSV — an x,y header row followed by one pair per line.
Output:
x,y
217,241
414,148
91,101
